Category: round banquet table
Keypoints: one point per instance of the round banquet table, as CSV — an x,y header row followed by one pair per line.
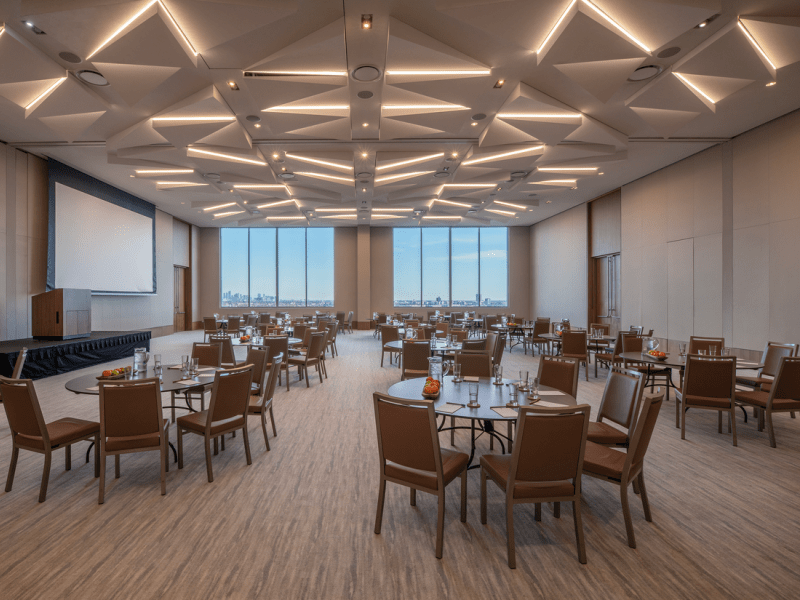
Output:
x,y
481,419
443,348
292,341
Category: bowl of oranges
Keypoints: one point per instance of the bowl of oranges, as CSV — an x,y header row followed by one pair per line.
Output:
x,y
432,388
244,339
657,354
117,373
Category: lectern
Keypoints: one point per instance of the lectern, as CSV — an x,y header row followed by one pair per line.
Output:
x,y
62,314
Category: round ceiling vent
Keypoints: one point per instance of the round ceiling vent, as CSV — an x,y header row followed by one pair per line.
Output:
x,y
366,73
363,181
440,175
253,118
365,95
644,73
364,175
70,57
519,173
213,176
286,175
478,117
91,77
668,52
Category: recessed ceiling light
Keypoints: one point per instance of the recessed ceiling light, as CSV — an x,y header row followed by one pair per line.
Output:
x,y
364,154
366,21
233,85
366,73
257,125
454,154
92,78
34,28
500,83
548,202
474,124
644,73
365,124
771,83
704,24
573,188
363,189
601,173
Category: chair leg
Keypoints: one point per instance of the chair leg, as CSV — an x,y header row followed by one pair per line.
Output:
x,y
383,353
12,468
626,513
164,461
537,512
68,457
440,526
48,455
719,421
483,496
512,558
645,502
246,441
770,430
677,412
413,496
464,496
207,444
557,510
166,450
216,446
180,447
452,431
272,420
116,466
576,517
379,512
319,371
102,488
97,455
264,428
683,421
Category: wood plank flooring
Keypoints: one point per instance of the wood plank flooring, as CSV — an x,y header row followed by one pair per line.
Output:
x,y
299,522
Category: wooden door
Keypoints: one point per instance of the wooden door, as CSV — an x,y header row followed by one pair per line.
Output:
x,y
179,288
607,292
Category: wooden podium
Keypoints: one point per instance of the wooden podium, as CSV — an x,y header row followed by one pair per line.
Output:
x,y
62,314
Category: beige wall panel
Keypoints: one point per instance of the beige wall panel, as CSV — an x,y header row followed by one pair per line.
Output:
x,y
180,243
21,191
631,214
751,287
707,182
655,215
344,241
209,272
631,288
783,185
784,282
680,291
653,277
605,216
708,285
381,271
3,302
751,178
23,298
519,271
679,185
4,150
195,250
38,201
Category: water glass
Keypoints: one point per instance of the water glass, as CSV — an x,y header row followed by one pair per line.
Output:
x,y
457,373
185,365
726,351
712,350
473,395
498,374
512,395
682,349
523,378
701,352
535,389
195,366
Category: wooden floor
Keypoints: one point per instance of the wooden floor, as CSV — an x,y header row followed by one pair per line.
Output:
x,y
299,522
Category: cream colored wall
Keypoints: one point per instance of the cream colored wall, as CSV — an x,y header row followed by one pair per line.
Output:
x,y
558,267
381,270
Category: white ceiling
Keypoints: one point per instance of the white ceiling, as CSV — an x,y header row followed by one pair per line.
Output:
x,y
565,106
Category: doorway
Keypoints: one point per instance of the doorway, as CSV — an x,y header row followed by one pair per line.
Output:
x,y
607,292
179,291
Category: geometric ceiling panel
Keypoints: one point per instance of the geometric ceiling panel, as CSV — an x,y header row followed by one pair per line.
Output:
x,y
500,133
573,151
667,92
715,87
140,135
134,82
726,54
665,122
387,162
25,92
399,178
451,121
277,91
338,129
208,102
463,90
323,50
392,129
410,49
601,78
232,135
68,98
547,130
148,41
286,122
181,133
595,132
70,127
778,36
23,62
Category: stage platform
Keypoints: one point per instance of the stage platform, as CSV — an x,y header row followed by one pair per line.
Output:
x,y
53,357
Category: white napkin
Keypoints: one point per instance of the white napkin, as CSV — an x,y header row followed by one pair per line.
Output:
x,y
550,404
187,382
742,388
449,408
551,393
472,379
176,367
93,388
505,411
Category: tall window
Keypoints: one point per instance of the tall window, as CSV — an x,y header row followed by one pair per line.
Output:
x,y
459,266
269,267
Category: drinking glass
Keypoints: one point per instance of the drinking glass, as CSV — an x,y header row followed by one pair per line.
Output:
x,y
512,395
682,349
195,366
457,373
523,378
535,391
701,352
498,374
185,365
726,351
473,395
712,350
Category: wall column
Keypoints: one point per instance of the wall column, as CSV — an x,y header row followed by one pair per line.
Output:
x,y
363,299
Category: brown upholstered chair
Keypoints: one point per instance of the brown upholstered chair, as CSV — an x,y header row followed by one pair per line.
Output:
x,y
709,383
460,334
389,333
704,343
311,357
474,365
350,322
209,327
620,404
30,432
414,360
491,344
573,346
227,412
330,342
131,420
227,357
207,354
611,357
411,323
771,358
783,395
442,329
261,402
604,327
624,469
559,373
540,327
263,318
474,346
544,466
635,343
276,345
300,331
499,348
409,453
636,329
19,363
234,326
425,332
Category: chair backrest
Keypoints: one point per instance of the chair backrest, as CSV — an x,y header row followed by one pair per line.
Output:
x,y
272,379
460,334
258,357
637,329
621,397
443,328
407,434
207,355
415,355
541,327
473,345
649,333
499,348
703,343
130,409
209,325
550,444
545,319
640,440
605,327
300,331
573,342
252,320
709,377
333,330
474,365
425,333
20,362
326,335
491,343
340,316
278,345
619,344
389,333
787,380
559,373
263,318
234,324
350,319
230,395
224,341
773,353
632,343
23,411
413,323
316,345
488,321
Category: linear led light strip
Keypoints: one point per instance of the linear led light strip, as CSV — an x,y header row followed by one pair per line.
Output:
x,y
162,171
414,106
258,186
410,161
136,16
301,73
501,212
619,27
469,185
694,87
229,156
539,115
228,214
210,208
392,209
570,169
552,181
324,107
45,93
324,176
437,72
387,217
441,217
555,27
391,177
270,205
509,204
181,183
452,203
221,118
320,162
339,217
503,155
755,44
335,209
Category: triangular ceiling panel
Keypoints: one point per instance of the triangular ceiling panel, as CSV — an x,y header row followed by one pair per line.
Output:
x,y
499,133
70,127
601,78
595,132
716,88
280,123
69,98
149,41
726,54
134,82
339,129
778,36
400,178
665,122
183,133
22,62
550,131
667,92
208,102
451,121
232,135
25,92
389,162
323,50
141,134
276,91
464,90
392,129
